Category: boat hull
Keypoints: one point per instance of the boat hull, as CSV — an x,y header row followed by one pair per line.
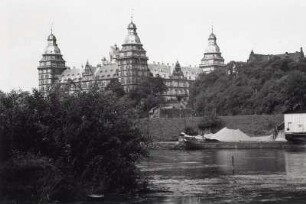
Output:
x,y
297,138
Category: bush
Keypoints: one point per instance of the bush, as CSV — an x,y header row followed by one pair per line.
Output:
x,y
191,131
90,138
210,124
28,176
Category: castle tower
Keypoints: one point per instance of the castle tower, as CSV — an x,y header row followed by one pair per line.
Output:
x,y
212,57
51,65
132,60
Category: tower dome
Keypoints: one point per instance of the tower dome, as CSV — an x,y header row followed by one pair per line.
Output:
x,y
132,36
212,44
212,36
132,25
52,47
212,58
51,37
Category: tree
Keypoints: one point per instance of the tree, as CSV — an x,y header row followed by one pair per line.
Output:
x,y
267,87
116,87
90,139
148,94
210,124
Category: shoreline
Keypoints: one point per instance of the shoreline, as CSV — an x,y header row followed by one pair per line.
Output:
x,y
225,145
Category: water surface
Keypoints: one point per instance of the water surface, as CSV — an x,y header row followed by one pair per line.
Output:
x,y
211,176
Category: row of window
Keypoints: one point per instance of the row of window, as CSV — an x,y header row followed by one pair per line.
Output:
x,y
46,81
176,84
52,57
45,71
44,88
133,73
45,76
128,80
55,64
106,70
176,91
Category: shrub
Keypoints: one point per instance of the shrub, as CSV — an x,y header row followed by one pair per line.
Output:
x,y
191,131
90,138
210,124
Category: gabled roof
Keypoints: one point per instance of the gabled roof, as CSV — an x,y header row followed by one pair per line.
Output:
x,y
108,71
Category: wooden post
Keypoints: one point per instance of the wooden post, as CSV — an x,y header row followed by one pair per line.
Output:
x,y
233,164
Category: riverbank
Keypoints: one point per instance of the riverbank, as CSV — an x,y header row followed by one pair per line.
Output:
x,y
168,129
225,145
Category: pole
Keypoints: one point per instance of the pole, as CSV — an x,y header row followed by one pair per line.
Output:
x,y
233,164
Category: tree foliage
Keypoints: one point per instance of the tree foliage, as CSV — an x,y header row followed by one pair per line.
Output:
x,y
256,88
89,138
210,124
148,94
116,87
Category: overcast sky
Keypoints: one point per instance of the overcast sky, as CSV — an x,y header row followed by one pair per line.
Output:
x,y
170,30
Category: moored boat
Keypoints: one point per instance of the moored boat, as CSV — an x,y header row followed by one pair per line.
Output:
x,y
295,127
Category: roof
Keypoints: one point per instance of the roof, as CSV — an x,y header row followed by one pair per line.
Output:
x,y
296,56
73,74
165,70
132,36
107,71
110,71
52,47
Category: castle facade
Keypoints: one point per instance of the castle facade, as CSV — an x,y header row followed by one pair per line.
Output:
x,y
129,65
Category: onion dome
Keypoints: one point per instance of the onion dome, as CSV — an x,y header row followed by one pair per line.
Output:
x,y
132,37
212,44
212,58
212,36
132,26
52,47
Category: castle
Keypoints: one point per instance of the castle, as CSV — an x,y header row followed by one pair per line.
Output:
x,y
295,56
129,65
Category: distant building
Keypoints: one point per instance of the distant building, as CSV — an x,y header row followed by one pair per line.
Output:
x,y
129,65
295,56
178,84
51,66
132,60
212,58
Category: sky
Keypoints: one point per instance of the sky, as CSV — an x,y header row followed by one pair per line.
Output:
x,y
170,30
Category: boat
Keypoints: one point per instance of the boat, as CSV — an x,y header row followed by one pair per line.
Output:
x,y
296,138
95,197
295,127
195,142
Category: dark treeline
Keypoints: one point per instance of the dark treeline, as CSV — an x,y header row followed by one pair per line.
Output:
x,y
64,146
271,87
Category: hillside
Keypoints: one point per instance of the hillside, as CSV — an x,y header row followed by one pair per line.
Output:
x,y
271,87
166,129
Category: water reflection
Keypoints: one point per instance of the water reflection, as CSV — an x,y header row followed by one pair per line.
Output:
x,y
274,176
197,177
202,164
250,162
295,164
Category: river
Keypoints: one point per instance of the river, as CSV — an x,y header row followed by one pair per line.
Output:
x,y
224,176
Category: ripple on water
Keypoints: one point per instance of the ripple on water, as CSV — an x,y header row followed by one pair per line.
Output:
x,y
261,176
